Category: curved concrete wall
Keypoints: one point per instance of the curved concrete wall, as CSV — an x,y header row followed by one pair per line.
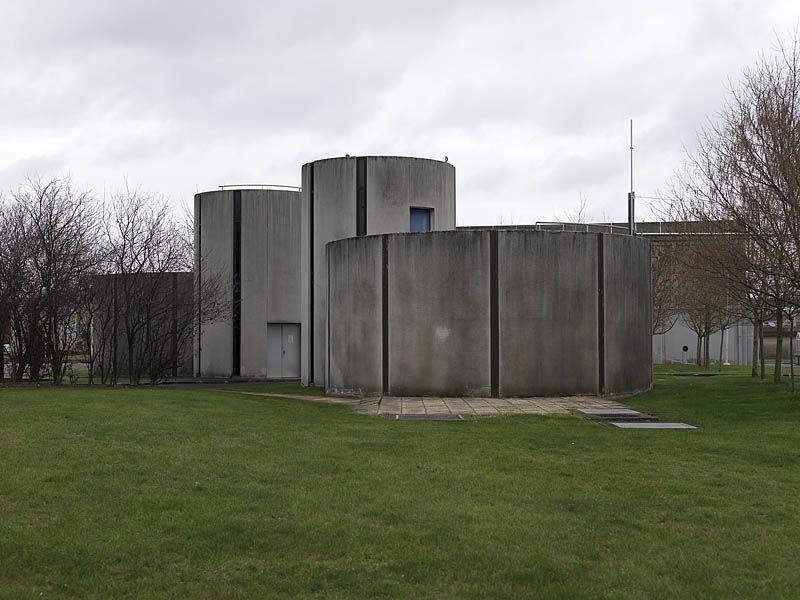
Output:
x,y
358,196
489,313
263,228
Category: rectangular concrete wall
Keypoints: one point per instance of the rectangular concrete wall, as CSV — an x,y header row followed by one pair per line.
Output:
x,y
548,313
355,338
628,310
185,323
160,308
216,259
737,346
438,314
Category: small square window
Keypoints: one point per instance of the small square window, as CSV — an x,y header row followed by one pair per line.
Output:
x,y
421,219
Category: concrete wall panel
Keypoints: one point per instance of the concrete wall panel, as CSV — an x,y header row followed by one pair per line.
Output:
x,y
255,234
439,314
628,309
395,184
548,313
355,325
334,218
216,262
283,258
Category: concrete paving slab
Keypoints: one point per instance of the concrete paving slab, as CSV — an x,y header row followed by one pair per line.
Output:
x,y
430,417
609,412
639,425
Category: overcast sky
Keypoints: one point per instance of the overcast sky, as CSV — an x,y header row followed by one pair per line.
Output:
x,y
530,100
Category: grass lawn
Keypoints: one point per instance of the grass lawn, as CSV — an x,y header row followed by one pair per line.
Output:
x,y
172,492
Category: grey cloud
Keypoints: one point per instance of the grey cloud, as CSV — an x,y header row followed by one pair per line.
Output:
x,y
529,99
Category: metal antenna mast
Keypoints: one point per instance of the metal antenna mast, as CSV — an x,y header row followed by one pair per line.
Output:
x,y
631,195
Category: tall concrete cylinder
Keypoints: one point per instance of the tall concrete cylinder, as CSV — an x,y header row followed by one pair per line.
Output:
x,y
354,197
489,313
247,254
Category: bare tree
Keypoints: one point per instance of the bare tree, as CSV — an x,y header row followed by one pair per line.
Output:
x,y
142,240
743,185
666,278
147,312
23,295
60,227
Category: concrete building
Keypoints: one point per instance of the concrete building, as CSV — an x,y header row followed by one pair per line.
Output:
x,y
489,313
247,249
142,326
737,345
389,297
358,196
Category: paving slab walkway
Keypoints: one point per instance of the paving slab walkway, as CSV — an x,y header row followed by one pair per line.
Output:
x,y
394,405
474,407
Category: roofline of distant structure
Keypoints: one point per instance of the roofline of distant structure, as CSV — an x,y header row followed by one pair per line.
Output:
x,y
646,228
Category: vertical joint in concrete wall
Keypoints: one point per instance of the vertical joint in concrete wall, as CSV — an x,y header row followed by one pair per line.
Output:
x,y
174,325
114,329
601,318
361,195
198,211
237,283
385,311
310,323
328,321
494,316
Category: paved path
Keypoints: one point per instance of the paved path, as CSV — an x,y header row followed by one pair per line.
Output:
x,y
476,407
394,405
309,398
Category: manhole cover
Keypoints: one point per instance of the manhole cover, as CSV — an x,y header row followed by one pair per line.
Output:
x,y
609,412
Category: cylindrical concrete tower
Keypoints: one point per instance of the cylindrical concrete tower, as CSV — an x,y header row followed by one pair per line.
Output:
x,y
357,196
247,261
489,313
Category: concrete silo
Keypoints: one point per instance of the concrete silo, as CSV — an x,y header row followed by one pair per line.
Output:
x,y
489,312
354,197
247,260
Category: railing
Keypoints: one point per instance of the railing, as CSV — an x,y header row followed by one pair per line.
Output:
x,y
262,186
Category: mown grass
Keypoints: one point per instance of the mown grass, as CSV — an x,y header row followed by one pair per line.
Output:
x,y
165,492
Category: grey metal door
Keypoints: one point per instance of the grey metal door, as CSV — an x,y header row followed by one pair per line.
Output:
x,y
283,350
291,350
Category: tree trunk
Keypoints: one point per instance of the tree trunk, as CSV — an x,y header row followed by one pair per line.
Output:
x,y
35,358
754,372
707,351
778,345
132,376
761,358
721,342
89,354
791,350
698,357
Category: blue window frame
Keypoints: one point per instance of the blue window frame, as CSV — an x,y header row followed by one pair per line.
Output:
x,y
421,219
